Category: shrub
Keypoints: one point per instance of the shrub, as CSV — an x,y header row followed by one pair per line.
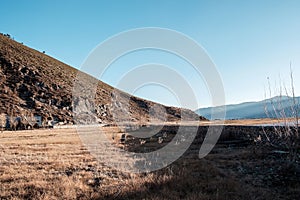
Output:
x,y
286,130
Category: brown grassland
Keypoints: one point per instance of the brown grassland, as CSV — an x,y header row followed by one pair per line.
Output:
x,y
54,164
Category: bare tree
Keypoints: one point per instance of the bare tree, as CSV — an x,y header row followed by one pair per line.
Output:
x,y
13,123
30,120
286,130
2,121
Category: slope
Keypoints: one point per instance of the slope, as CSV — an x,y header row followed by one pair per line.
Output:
x,y
35,84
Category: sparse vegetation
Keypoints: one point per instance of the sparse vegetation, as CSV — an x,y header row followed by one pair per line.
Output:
x,y
6,35
2,121
29,120
286,129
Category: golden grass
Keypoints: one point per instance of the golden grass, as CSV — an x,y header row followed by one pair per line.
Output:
x,y
53,164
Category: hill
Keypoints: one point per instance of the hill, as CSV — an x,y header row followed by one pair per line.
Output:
x,y
35,84
268,108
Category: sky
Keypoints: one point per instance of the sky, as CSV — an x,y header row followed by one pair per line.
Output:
x,y
250,42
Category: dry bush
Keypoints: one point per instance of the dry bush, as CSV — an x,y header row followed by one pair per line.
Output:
x,y
286,130
2,121
30,120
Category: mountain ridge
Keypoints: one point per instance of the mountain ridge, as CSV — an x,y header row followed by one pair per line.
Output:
x,y
275,107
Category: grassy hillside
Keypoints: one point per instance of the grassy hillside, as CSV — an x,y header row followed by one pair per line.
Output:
x,y
33,83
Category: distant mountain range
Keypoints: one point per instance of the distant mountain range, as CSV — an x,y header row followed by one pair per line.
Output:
x,y
275,107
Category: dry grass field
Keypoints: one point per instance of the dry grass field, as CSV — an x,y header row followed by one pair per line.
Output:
x,y
54,164
248,122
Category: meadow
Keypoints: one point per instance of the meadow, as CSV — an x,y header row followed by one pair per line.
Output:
x,y
54,164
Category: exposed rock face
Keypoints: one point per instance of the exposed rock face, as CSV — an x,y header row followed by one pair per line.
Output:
x,y
32,83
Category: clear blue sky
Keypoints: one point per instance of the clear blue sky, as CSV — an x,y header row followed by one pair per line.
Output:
x,y
248,40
